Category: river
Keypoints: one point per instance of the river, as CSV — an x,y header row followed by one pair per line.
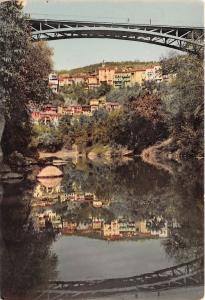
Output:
x,y
100,220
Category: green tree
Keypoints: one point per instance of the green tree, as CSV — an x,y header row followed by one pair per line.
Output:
x,y
182,100
23,75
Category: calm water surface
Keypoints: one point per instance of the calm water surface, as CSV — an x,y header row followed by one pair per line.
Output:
x,y
99,221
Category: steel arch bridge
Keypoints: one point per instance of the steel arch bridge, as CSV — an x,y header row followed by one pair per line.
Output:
x,y
188,39
183,275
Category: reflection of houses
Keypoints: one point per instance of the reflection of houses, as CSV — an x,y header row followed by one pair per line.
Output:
x,y
111,230
141,227
144,227
80,197
127,228
48,215
48,189
97,223
162,233
101,203
89,197
97,203
77,197
84,225
69,227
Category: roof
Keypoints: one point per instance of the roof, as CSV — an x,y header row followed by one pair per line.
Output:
x,y
49,172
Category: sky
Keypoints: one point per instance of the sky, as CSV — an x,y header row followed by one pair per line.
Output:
x,y
74,53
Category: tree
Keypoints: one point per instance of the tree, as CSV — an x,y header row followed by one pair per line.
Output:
x,y
149,107
27,263
23,75
182,101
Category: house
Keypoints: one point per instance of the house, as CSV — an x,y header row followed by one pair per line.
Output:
x,y
137,76
111,106
92,81
65,80
45,117
79,79
86,110
106,75
94,105
53,82
122,79
153,74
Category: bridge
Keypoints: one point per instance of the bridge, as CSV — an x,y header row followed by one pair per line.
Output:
x,y
185,274
188,39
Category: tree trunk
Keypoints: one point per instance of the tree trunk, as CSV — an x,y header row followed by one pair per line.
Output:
x,y
2,125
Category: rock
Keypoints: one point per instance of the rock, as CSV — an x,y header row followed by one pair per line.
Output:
x,y
18,159
59,162
49,172
4,168
10,176
92,155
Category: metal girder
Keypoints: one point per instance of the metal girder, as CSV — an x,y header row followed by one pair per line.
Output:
x,y
188,39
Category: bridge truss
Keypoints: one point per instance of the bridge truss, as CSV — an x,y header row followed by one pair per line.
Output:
x,y
188,39
186,274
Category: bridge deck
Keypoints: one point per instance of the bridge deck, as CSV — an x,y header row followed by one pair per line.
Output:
x,y
184,38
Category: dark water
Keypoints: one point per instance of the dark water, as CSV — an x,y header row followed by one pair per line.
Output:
x,y
99,221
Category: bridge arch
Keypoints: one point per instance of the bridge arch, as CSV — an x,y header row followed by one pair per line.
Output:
x,y
188,39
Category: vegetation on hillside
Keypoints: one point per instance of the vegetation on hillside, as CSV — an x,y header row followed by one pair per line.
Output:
x,y
150,113
123,64
78,94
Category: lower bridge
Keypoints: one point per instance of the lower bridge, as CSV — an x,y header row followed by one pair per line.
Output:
x,y
185,274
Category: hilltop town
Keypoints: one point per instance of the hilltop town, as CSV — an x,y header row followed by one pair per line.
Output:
x,y
113,77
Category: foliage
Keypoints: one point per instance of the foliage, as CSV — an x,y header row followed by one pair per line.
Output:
x,y
79,94
46,138
182,101
124,95
23,75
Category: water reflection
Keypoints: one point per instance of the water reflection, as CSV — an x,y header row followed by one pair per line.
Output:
x,y
127,203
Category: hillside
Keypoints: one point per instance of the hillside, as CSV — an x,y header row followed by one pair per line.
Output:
x,y
123,64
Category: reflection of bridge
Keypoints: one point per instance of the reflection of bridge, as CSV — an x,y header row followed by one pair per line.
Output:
x,y
186,274
188,39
